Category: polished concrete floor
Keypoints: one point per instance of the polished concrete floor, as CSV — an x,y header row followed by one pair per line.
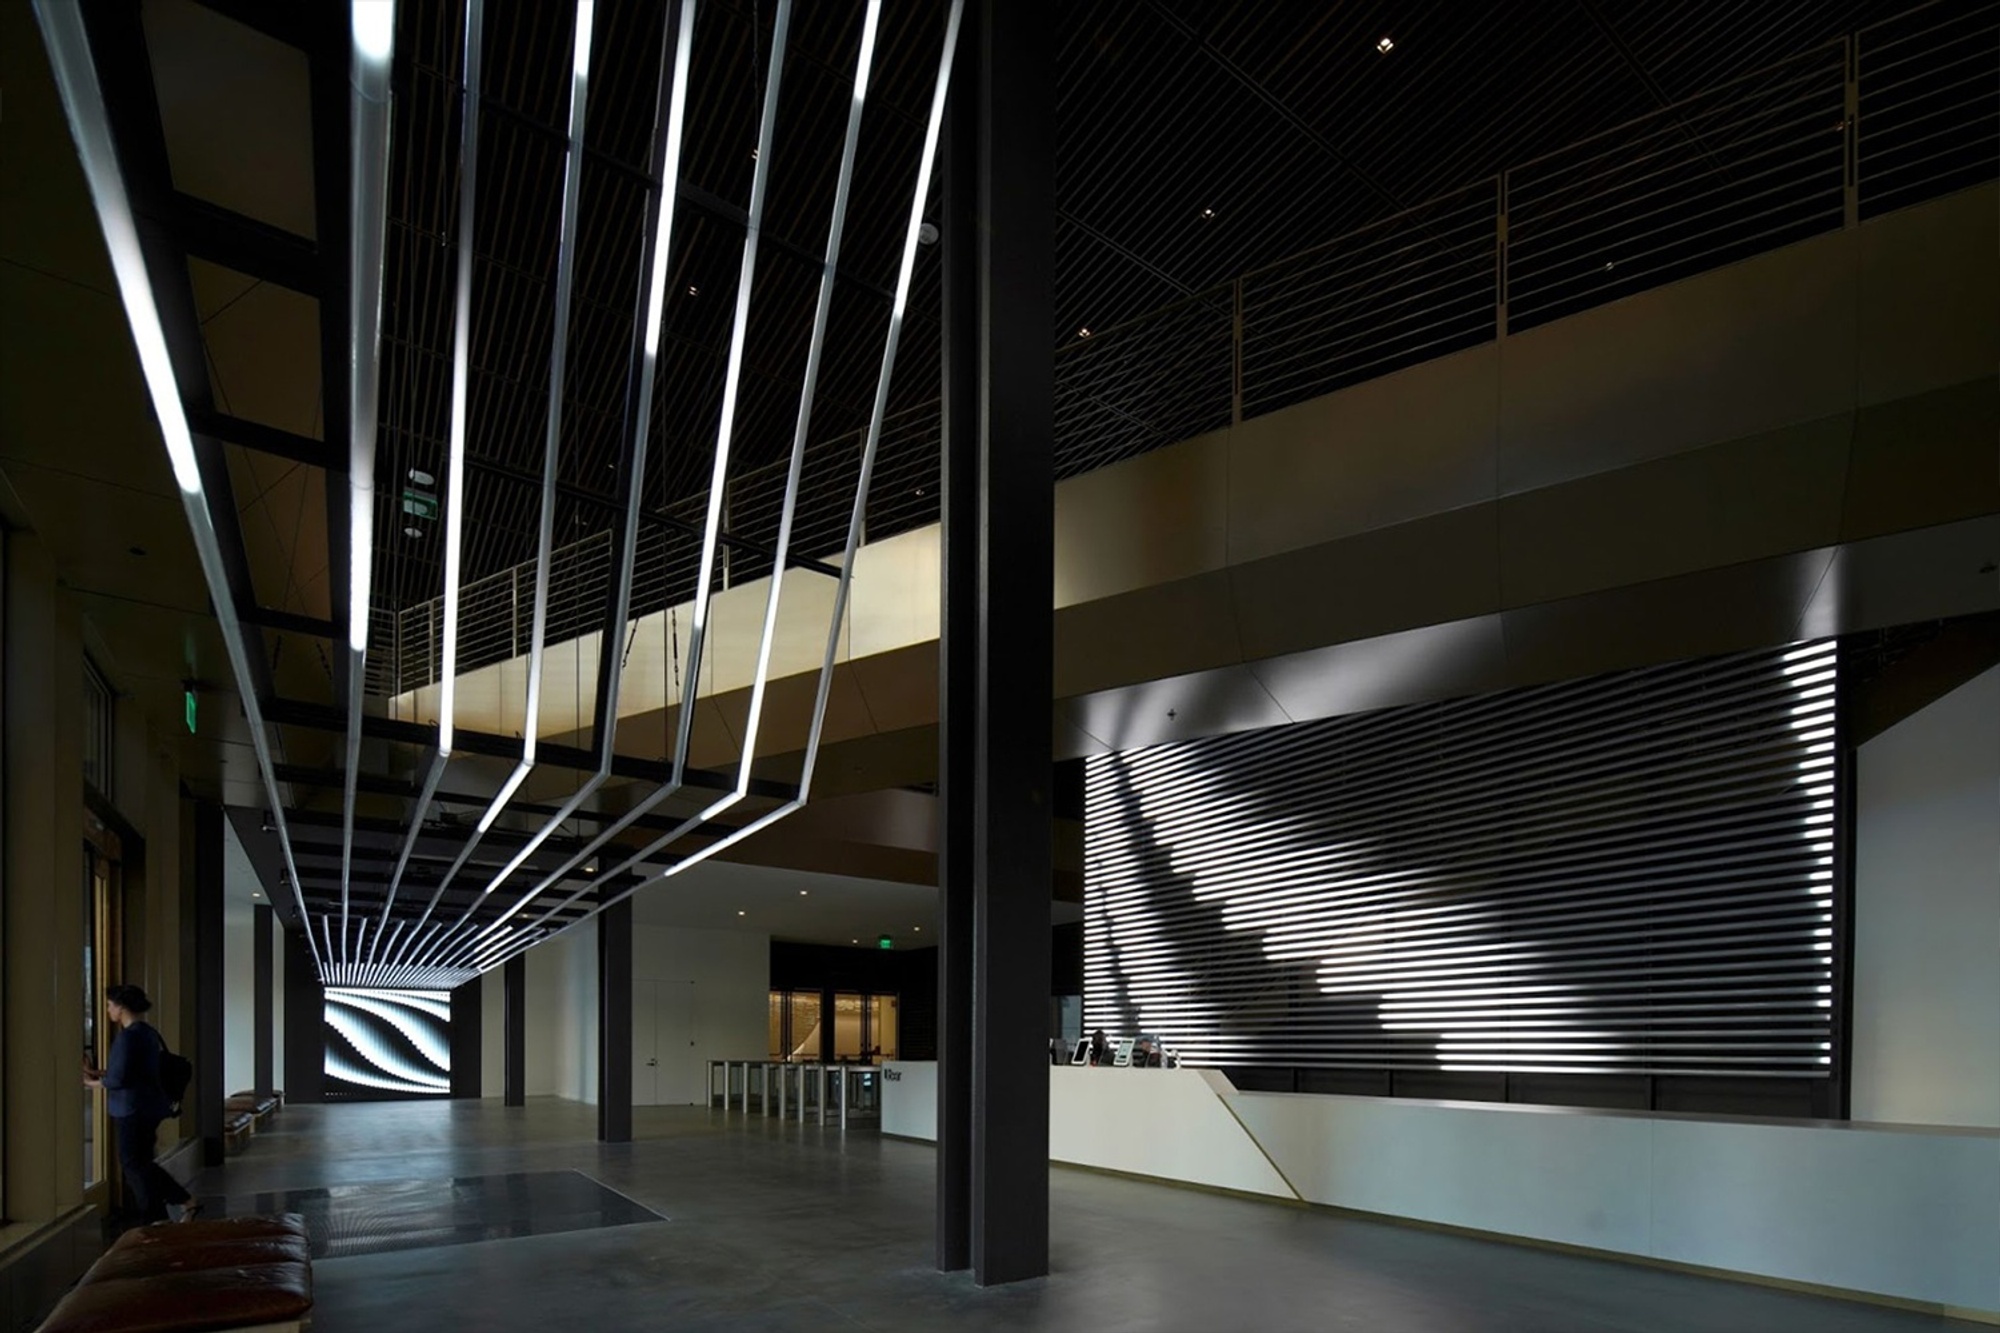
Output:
x,y
469,1215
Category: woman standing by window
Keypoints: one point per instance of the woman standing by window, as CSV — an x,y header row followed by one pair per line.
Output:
x,y
138,1104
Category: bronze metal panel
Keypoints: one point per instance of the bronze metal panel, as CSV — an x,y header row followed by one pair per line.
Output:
x,y
1414,666
1370,456
1205,703
1150,520
1170,629
263,349
1712,611
900,688
71,397
1730,503
1431,570
235,111
1748,348
1929,295
1932,458
1952,569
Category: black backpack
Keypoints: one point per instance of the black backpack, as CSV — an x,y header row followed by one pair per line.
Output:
x,y
176,1073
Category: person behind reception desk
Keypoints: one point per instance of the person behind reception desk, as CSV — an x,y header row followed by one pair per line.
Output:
x,y
1100,1049
1146,1055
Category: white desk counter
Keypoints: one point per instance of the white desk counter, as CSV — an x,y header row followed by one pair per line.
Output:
x,y
1910,1212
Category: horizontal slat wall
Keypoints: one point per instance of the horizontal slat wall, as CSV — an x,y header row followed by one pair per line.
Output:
x,y
1631,874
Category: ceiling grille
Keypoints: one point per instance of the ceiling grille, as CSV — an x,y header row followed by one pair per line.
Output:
x,y
1633,874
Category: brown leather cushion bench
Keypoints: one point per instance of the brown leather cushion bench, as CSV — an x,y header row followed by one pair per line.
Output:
x,y
249,1103
234,1272
237,1127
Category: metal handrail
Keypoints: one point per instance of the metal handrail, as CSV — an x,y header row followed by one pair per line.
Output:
x,y
1741,167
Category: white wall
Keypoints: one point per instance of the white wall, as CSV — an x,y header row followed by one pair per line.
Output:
x,y
727,1017
239,965
493,1034
562,1017
1927,915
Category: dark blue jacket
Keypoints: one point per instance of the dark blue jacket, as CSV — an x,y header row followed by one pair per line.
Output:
x,y
132,1074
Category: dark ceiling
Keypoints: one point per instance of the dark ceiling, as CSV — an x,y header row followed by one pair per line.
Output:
x,y
1195,140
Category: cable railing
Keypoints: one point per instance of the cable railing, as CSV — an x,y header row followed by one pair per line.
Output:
x,y
1900,112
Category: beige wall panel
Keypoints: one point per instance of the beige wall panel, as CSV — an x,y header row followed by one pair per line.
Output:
x,y
1930,295
1149,520
900,689
1415,666
1952,569
895,594
1187,625
1719,506
1748,348
1379,453
714,743
736,629
1669,620
1419,573
63,403
1931,458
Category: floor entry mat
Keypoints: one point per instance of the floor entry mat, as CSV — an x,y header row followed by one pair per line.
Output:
x,y
377,1217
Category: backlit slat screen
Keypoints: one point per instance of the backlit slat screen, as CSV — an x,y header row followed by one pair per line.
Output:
x,y
387,1042
1629,874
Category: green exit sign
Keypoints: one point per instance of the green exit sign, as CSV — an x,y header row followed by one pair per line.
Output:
x,y
187,698
885,943
420,504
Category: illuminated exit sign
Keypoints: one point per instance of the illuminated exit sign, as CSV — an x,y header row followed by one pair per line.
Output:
x,y
187,697
885,943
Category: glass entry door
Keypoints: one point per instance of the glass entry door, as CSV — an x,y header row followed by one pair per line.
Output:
x,y
100,969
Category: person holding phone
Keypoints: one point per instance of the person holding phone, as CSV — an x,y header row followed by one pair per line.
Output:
x,y
138,1104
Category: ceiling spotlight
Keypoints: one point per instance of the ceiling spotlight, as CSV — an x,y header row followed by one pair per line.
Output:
x,y
1083,333
916,927
1208,213
741,912
803,892
927,233
693,290
422,478
413,532
1386,45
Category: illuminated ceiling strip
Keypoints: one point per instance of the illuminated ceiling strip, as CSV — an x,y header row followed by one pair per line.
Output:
x,y
910,242
454,502
842,191
83,102
665,201
677,105
374,44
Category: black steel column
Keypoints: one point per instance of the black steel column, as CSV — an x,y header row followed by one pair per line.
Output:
x,y
305,1024
265,1019
468,1003
210,973
958,664
1013,581
514,1026
614,1023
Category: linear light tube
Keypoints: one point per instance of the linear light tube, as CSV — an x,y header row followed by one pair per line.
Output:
x,y
82,95
903,278
656,278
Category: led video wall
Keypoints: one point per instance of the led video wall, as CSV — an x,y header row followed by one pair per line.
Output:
x,y
1631,874
383,1042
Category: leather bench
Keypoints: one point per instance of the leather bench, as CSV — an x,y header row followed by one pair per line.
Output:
x,y
231,1273
237,1127
260,1108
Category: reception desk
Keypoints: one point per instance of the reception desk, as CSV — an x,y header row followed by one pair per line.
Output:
x,y
1907,1212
